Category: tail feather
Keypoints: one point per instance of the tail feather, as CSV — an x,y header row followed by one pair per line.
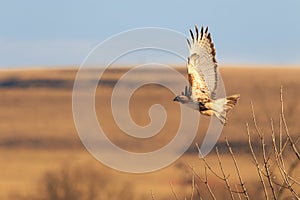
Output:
x,y
222,106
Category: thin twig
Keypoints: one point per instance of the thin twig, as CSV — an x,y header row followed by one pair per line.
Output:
x,y
175,196
284,145
225,179
297,140
238,171
206,163
292,168
254,121
198,191
265,160
205,181
257,164
207,185
280,134
286,127
198,176
281,145
278,159
193,184
282,169
240,198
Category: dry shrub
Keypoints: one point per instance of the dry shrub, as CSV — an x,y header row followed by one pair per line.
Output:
x,y
82,182
276,161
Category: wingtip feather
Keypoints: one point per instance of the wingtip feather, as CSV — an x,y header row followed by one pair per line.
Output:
x,y
206,30
201,33
189,43
197,32
192,35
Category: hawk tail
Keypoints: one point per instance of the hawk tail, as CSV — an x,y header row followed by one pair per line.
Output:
x,y
221,106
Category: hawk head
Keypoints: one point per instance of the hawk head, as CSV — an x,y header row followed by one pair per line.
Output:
x,y
181,98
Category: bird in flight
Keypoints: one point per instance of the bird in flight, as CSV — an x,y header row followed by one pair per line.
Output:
x,y
203,78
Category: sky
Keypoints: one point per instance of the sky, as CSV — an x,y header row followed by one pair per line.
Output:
x,y
38,33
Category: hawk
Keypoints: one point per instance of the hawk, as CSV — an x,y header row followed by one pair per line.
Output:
x,y
203,78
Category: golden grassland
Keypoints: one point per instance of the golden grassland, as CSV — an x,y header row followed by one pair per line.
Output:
x,y
38,134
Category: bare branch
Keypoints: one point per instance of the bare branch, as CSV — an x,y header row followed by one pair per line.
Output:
x,y
281,166
265,160
224,176
193,184
238,171
286,127
206,163
207,185
175,196
257,164
280,134
197,175
254,121
240,198
198,192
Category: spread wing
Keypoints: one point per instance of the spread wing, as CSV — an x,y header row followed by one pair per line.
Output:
x,y
202,66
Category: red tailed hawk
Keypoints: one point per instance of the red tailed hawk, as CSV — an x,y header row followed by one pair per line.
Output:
x,y
203,78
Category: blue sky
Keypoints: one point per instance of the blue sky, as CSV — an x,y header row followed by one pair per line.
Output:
x,y
55,33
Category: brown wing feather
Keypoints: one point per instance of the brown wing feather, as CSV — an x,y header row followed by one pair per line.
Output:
x,y
202,60
199,88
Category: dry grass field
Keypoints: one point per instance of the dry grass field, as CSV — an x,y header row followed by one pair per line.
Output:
x,y
40,150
